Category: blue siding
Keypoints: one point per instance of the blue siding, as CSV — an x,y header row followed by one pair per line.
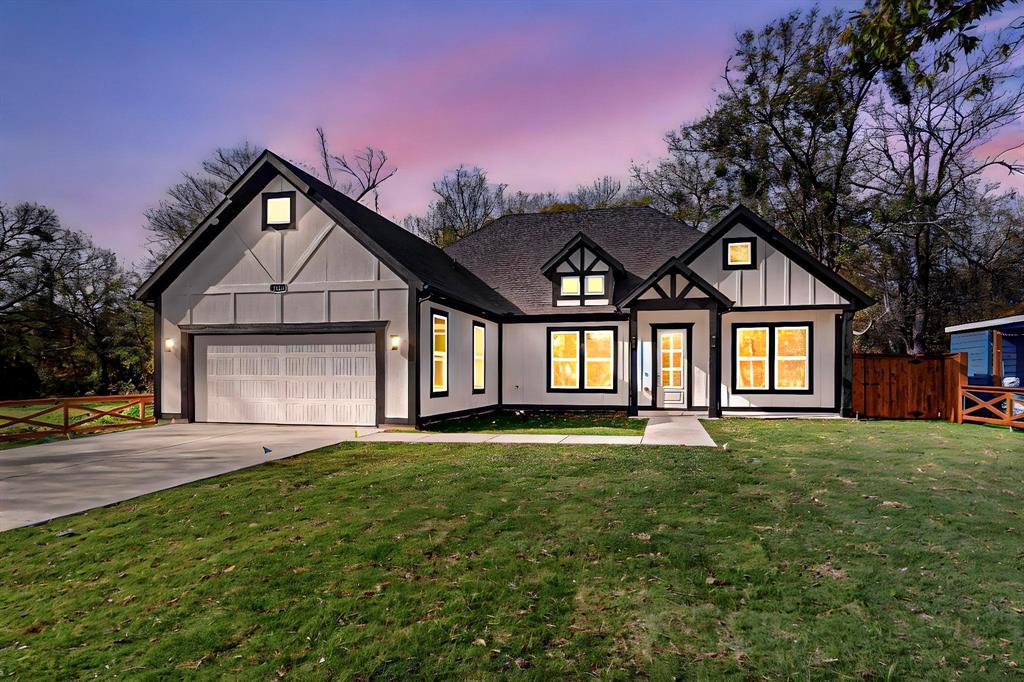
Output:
x,y
978,346
1013,357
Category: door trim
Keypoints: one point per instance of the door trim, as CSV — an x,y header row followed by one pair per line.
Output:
x,y
687,329
188,361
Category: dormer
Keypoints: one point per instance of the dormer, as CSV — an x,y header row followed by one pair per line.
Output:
x,y
582,274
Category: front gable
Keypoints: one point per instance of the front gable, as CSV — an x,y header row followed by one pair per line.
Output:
x,y
582,273
779,273
674,285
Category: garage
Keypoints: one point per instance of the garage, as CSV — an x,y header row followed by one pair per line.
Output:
x,y
325,379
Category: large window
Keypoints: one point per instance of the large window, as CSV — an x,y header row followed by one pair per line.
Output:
x,y
439,355
739,254
772,358
581,360
479,357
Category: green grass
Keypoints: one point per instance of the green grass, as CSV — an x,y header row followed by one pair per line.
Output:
x,y
807,549
570,423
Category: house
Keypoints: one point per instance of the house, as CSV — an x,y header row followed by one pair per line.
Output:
x,y
995,348
291,303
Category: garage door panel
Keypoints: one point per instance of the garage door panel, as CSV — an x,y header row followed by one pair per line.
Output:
x,y
277,380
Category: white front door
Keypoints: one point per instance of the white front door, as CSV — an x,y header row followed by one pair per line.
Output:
x,y
303,379
671,374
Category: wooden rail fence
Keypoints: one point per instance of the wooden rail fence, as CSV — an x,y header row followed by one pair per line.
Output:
x,y
20,419
992,405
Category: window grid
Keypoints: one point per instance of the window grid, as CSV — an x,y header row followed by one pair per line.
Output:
x,y
479,357
439,349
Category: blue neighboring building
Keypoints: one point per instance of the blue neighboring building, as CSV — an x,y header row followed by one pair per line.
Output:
x,y
979,342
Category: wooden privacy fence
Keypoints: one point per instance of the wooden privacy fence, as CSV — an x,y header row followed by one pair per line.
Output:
x,y
908,386
21,419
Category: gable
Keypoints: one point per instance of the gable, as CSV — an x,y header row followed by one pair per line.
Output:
x,y
322,265
781,274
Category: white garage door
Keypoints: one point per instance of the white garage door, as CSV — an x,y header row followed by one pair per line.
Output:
x,y
286,379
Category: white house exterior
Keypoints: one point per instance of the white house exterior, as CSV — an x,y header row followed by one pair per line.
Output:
x,y
291,303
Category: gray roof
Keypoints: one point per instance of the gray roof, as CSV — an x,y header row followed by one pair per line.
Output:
x,y
509,254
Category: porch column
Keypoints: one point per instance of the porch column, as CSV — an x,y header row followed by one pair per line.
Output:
x,y
846,392
715,372
634,371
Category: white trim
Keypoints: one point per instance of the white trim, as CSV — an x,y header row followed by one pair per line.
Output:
x,y
567,278
985,324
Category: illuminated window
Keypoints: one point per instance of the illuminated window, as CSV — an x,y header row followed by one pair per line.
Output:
x,y
595,285
590,352
439,347
752,358
738,254
671,359
598,352
479,357
792,358
278,210
570,286
565,359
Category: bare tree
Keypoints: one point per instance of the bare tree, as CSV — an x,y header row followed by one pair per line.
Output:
x,y
601,193
367,170
925,178
465,202
687,184
189,201
29,246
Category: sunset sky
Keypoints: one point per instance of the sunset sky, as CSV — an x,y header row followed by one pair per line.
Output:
x,y
104,104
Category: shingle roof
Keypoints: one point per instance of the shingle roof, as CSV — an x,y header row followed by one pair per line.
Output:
x,y
509,254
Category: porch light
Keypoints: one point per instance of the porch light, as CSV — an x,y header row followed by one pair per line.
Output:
x,y
396,342
168,345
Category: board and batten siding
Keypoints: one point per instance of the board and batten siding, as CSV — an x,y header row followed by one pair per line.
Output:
x,y
460,363
525,364
330,278
776,281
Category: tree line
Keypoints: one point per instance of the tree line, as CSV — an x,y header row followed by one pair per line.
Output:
x,y
871,139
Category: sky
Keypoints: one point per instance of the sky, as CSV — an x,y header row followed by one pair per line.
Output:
x,y
104,104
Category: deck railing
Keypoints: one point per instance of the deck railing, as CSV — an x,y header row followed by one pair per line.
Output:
x,y
21,419
992,405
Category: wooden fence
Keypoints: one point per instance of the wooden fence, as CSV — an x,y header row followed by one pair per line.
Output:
x,y
20,419
908,386
992,405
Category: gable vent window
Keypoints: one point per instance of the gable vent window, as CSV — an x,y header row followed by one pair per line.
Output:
x,y
739,254
278,210
570,286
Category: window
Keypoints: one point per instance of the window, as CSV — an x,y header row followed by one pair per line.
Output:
x,y
792,358
598,352
752,358
439,348
739,254
590,352
479,357
570,285
595,285
278,210
565,359
772,358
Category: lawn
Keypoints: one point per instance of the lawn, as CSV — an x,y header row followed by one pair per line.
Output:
x,y
811,549
571,423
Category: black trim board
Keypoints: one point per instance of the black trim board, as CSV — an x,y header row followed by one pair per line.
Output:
x,y
581,239
581,359
770,370
158,355
769,234
656,327
793,410
369,326
676,266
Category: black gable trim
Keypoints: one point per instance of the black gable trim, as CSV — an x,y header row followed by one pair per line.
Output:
x,y
676,265
798,255
581,240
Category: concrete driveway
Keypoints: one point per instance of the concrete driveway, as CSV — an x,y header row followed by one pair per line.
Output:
x,y
43,482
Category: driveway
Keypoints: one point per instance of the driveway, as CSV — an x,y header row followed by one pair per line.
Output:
x,y
43,482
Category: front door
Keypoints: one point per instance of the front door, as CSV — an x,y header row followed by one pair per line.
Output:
x,y
670,374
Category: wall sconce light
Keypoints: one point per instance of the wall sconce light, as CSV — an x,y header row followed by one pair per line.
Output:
x,y
396,342
168,345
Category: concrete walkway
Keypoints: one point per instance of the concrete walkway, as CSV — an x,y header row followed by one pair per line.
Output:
x,y
533,438
671,430
43,482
